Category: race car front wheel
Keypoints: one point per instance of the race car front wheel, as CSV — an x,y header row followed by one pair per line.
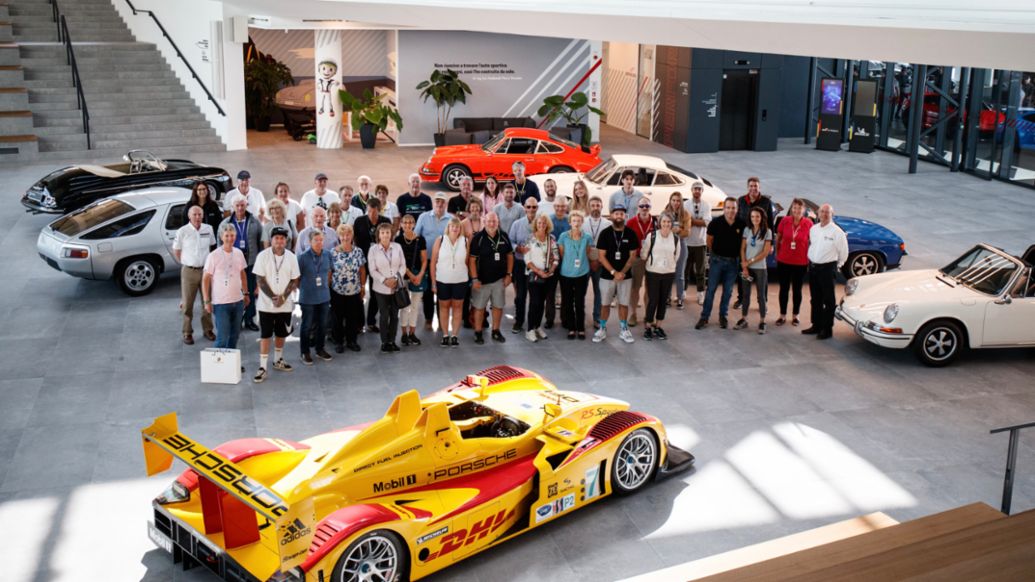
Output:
x,y
378,555
635,462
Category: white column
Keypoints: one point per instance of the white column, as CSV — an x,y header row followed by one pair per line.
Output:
x,y
328,82
596,52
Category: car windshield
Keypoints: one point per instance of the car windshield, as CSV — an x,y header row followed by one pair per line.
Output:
x,y
601,171
89,217
490,145
982,270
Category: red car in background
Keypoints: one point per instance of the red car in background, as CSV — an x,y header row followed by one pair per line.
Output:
x,y
986,120
540,151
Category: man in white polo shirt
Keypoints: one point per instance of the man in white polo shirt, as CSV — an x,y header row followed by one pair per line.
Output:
x,y
256,199
828,251
318,196
191,248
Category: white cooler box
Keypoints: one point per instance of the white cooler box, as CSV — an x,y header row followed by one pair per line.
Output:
x,y
219,366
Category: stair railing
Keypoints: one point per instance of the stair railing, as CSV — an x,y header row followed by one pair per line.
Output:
x,y
77,82
1011,462
193,73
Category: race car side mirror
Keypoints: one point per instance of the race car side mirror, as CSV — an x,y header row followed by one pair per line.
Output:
x,y
550,410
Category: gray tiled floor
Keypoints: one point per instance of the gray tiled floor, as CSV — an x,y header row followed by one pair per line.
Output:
x,y
790,433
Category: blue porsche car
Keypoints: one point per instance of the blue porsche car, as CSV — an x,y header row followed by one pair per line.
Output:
x,y
1024,136
872,248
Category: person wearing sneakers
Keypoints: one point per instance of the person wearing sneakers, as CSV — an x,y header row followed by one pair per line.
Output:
x,y
642,224
792,258
696,241
724,239
681,228
541,261
276,270
315,266
449,279
755,247
519,233
616,246
593,226
491,264
191,248
660,252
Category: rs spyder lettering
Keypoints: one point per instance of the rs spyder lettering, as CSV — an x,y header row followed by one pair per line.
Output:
x,y
205,459
475,465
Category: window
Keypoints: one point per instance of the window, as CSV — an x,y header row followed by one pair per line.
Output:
x,y
521,145
644,176
175,219
666,179
127,226
546,147
600,172
89,217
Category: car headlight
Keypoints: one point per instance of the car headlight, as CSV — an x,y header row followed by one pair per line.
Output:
x,y
890,313
851,286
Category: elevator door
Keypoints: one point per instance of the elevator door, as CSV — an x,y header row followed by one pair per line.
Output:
x,y
737,110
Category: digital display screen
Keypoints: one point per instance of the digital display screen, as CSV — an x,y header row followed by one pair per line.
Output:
x,y
832,95
865,98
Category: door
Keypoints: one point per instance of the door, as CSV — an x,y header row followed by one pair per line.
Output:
x,y
665,183
1012,324
515,149
173,222
737,110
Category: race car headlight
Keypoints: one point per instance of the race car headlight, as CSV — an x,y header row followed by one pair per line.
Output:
x,y
293,575
175,493
851,286
890,313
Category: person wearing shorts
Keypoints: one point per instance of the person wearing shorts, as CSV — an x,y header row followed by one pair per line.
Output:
x,y
449,279
491,265
277,276
616,246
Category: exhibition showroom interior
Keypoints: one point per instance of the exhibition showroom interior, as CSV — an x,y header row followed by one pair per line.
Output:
x,y
810,357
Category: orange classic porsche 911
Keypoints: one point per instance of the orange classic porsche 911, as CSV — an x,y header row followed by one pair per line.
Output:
x,y
540,151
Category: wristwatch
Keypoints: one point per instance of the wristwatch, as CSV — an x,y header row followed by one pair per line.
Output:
x,y
612,272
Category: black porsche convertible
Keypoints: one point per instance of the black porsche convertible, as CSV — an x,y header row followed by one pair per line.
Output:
x,y
74,187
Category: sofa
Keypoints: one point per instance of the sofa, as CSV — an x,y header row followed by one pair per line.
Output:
x,y
481,129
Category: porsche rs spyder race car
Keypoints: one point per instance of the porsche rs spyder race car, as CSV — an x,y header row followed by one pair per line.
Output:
x,y
432,482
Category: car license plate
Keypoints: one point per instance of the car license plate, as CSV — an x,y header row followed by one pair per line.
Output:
x,y
159,538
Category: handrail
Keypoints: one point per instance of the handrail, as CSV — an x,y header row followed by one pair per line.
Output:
x,y
65,39
1011,461
179,54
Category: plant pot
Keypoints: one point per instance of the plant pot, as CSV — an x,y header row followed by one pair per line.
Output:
x,y
440,140
368,135
262,123
575,133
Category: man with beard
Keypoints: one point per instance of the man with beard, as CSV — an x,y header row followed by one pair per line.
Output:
x,y
616,245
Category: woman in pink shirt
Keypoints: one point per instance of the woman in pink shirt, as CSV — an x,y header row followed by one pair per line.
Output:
x,y
792,262
222,288
491,195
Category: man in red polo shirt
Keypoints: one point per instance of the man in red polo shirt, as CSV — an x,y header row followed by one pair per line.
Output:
x,y
642,223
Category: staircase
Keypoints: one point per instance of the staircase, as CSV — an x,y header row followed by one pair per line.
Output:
x,y
17,137
135,100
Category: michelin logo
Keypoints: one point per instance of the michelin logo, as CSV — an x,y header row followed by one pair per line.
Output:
x,y
430,536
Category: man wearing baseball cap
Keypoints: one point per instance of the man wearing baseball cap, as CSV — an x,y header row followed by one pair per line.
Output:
x,y
318,196
276,270
616,245
256,200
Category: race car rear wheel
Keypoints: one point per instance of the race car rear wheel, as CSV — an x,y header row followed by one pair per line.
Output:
x,y
452,176
634,462
377,555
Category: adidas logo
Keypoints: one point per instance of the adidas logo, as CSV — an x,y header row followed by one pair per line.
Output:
x,y
293,531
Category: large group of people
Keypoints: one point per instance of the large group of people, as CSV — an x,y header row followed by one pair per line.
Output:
x,y
354,262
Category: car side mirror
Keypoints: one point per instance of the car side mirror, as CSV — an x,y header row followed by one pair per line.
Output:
x,y
1004,300
550,410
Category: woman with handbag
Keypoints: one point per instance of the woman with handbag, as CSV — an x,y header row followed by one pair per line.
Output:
x,y
348,286
415,251
387,271
541,263
449,278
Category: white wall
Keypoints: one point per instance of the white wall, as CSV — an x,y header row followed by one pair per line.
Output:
x,y
189,23
620,62
365,53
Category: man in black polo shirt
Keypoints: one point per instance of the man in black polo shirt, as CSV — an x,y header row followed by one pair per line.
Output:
x,y
724,239
616,245
458,204
414,202
365,229
491,264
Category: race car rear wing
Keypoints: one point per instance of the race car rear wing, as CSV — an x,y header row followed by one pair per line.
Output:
x,y
230,499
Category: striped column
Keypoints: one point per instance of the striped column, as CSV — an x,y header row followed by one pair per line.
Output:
x,y
327,58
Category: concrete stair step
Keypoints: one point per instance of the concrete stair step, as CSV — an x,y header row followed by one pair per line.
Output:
x,y
18,145
14,99
145,134
9,54
155,142
51,36
112,153
98,76
63,143
120,108
16,122
145,125
52,130
12,76
100,95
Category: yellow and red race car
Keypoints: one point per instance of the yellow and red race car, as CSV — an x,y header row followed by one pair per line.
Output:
x,y
434,481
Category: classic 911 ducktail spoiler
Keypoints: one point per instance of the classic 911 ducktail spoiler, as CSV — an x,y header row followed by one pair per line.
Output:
x,y
230,499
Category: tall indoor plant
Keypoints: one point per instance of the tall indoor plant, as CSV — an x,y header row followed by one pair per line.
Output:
x,y
573,111
370,115
263,77
446,89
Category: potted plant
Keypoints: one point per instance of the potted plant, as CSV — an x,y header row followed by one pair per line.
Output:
x,y
263,77
370,115
573,111
446,89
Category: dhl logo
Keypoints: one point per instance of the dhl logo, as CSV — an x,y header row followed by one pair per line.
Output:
x,y
463,537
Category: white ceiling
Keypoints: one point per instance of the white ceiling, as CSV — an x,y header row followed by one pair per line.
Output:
x,y
978,33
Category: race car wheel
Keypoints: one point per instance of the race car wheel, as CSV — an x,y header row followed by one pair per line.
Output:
x,y
560,170
377,555
863,263
137,276
452,176
938,343
635,462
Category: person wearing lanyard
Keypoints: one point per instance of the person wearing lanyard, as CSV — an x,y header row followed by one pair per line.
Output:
x,y
524,188
642,223
248,240
617,245
681,228
792,258
519,234
415,251
757,243
388,271
222,288
491,262
191,248
593,225
277,271
366,237
574,248
627,196
828,251
508,211
316,270
724,240
541,261
449,279
431,225
660,252
700,215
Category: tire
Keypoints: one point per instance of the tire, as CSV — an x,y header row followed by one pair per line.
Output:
x,y
635,462
355,563
452,175
939,343
864,263
137,276
560,170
